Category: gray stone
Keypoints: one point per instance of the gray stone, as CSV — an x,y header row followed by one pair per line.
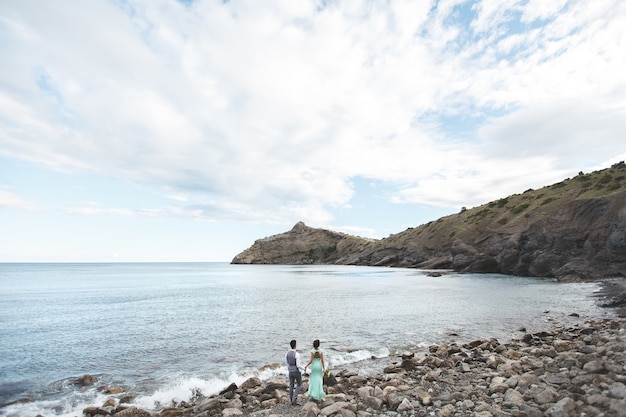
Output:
x,y
619,407
405,405
251,383
365,392
230,412
374,402
563,408
618,390
133,412
334,408
209,405
546,396
345,412
594,367
513,398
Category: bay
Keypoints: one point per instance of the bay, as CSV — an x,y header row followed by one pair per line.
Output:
x,y
163,330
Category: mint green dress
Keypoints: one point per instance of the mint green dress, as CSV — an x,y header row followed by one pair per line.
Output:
x,y
316,390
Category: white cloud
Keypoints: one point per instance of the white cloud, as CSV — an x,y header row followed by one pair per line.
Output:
x,y
12,201
265,110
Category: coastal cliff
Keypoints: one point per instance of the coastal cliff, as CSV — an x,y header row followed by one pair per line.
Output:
x,y
573,230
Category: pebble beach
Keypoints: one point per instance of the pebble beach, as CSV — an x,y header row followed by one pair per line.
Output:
x,y
560,371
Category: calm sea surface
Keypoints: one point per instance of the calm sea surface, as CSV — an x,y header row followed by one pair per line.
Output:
x,y
164,329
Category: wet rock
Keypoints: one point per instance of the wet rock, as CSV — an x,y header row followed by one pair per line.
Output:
x,y
251,383
133,412
230,388
85,380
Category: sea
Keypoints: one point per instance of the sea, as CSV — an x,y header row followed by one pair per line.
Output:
x,y
168,331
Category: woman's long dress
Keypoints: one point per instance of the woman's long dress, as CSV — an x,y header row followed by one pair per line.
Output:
x,y
316,390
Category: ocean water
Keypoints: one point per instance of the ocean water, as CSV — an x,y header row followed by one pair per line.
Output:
x,y
163,330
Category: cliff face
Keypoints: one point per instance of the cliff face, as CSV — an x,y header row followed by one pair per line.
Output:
x,y
575,229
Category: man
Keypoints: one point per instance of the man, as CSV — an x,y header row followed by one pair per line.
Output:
x,y
295,377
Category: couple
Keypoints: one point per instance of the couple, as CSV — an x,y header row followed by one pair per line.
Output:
x,y
295,377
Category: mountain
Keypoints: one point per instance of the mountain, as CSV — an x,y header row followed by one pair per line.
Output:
x,y
572,230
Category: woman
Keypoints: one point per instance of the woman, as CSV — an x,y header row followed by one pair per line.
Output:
x,y
316,390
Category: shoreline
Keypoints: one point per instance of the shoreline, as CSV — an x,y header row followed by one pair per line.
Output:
x,y
561,370
610,295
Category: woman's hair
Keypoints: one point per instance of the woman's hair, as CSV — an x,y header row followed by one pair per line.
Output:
x,y
316,343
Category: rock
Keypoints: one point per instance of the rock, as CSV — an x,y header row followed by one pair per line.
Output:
x,y
563,408
544,397
364,392
334,408
374,402
269,403
329,380
618,407
425,399
561,378
405,406
446,411
171,412
562,345
513,398
310,406
210,404
90,411
498,384
594,367
85,380
230,412
230,388
394,400
133,412
111,389
251,383
493,362
234,403
618,390
347,413
273,386
128,398
110,402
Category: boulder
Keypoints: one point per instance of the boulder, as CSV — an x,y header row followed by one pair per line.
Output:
x,y
374,402
334,408
251,383
563,408
513,398
85,380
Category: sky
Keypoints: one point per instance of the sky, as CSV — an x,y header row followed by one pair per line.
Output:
x,y
167,130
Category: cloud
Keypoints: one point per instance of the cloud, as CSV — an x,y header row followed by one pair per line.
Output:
x,y
265,111
12,201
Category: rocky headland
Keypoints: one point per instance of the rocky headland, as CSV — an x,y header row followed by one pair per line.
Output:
x,y
572,230
561,371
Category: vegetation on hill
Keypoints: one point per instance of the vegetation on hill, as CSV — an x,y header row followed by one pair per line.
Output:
x,y
574,229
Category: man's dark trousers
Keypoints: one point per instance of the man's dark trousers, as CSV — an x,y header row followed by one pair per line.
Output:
x,y
294,377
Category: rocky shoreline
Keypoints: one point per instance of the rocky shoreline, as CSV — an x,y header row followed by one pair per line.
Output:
x,y
561,371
